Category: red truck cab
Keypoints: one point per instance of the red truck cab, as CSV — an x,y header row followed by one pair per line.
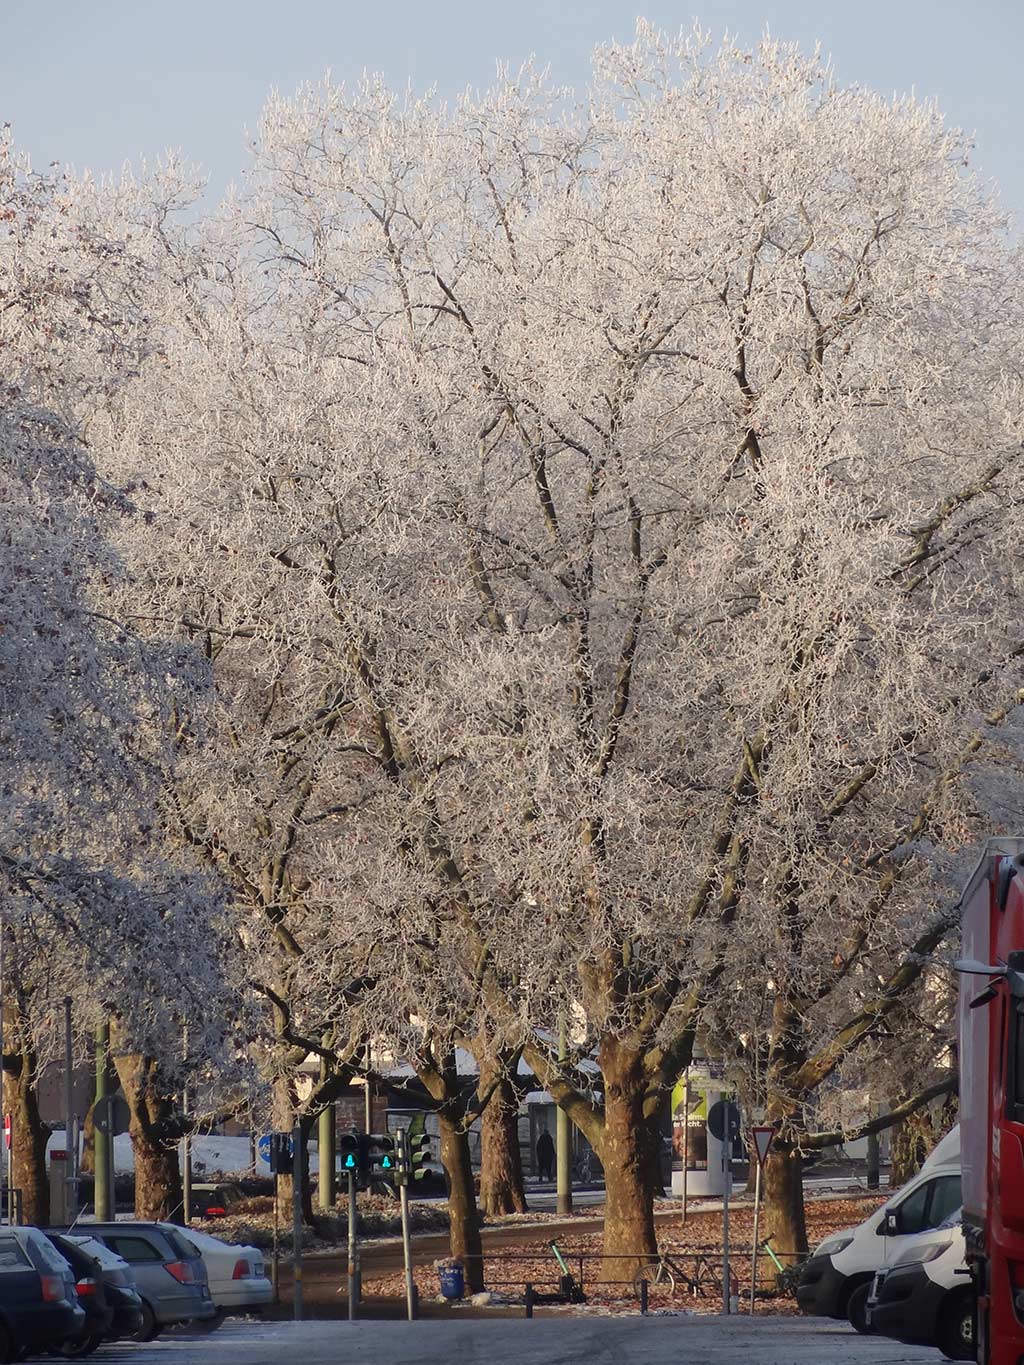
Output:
x,y
991,1027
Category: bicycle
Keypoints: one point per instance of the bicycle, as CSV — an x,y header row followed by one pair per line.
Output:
x,y
666,1271
583,1168
786,1277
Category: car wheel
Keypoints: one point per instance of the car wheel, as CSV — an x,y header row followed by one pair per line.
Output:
x,y
79,1346
857,1309
150,1327
957,1326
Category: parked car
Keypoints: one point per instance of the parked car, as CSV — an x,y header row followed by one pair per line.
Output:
x,y
39,1307
927,1296
92,1296
168,1271
122,1295
836,1281
238,1283
213,1201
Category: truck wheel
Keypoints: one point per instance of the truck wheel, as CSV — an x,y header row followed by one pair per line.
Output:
x,y
957,1331
857,1309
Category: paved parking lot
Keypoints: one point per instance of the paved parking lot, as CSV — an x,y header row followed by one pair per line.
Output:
x,y
591,1341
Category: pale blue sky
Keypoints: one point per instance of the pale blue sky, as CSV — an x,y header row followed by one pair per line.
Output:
x,y
99,82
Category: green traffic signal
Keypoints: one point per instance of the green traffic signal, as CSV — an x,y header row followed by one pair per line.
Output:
x,y
350,1161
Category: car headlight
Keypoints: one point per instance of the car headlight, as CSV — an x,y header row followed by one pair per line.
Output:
x,y
920,1255
831,1246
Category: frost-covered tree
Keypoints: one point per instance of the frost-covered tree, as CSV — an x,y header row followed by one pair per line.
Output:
x,y
621,496
90,906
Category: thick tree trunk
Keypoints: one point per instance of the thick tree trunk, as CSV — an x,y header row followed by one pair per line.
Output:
x,y
158,1192
783,1217
464,1231
87,1165
28,1140
501,1167
155,1131
626,1147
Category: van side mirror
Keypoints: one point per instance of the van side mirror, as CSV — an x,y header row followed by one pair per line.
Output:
x,y
889,1226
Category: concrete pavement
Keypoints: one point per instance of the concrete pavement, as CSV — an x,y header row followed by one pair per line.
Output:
x,y
549,1341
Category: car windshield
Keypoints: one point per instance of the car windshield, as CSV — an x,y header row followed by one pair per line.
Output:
x,y
108,1259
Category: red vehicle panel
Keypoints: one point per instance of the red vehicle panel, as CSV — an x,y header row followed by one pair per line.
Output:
x,y
992,1097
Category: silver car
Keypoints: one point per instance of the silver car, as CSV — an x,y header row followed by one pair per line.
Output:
x,y
167,1269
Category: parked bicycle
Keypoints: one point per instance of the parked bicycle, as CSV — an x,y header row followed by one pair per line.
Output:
x,y
667,1272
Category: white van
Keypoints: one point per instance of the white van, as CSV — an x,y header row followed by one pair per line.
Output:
x,y
928,1297
836,1281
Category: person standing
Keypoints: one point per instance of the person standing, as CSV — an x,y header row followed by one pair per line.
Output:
x,y
546,1156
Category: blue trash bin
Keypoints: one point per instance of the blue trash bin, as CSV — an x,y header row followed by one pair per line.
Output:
x,y
453,1281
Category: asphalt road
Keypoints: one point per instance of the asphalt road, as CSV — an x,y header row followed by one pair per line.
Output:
x,y
593,1340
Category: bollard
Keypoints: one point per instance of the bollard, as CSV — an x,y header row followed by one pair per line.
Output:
x,y
529,1300
643,1296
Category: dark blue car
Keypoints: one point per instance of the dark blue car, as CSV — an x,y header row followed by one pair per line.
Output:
x,y
39,1306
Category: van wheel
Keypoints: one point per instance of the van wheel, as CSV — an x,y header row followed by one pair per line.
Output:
x,y
150,1327
957,1326
857,1309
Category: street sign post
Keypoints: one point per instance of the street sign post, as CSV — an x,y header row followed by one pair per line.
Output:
x,y
761,1138
724,1124
404,1154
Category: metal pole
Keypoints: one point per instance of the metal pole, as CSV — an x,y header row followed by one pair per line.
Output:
x,y
70,1143
686,1139
563,1141
753,1256
410,1287
3,1079
102,1142
367,1096
277,1252
352,1272
727,1167
186,1162
327,1190
298,1155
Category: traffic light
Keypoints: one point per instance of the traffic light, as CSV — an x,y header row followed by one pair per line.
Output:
x,y
419,1148
353,1152
382,1152
413,1151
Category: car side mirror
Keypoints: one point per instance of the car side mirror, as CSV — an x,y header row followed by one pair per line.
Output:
x,y
890,1225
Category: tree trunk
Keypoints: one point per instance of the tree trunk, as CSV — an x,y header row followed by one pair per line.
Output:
x,y
28,1140
283,1116
155,1131
908,1148
782,1190
87,1165
626,1146
501,1166
158,1192
464,1231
